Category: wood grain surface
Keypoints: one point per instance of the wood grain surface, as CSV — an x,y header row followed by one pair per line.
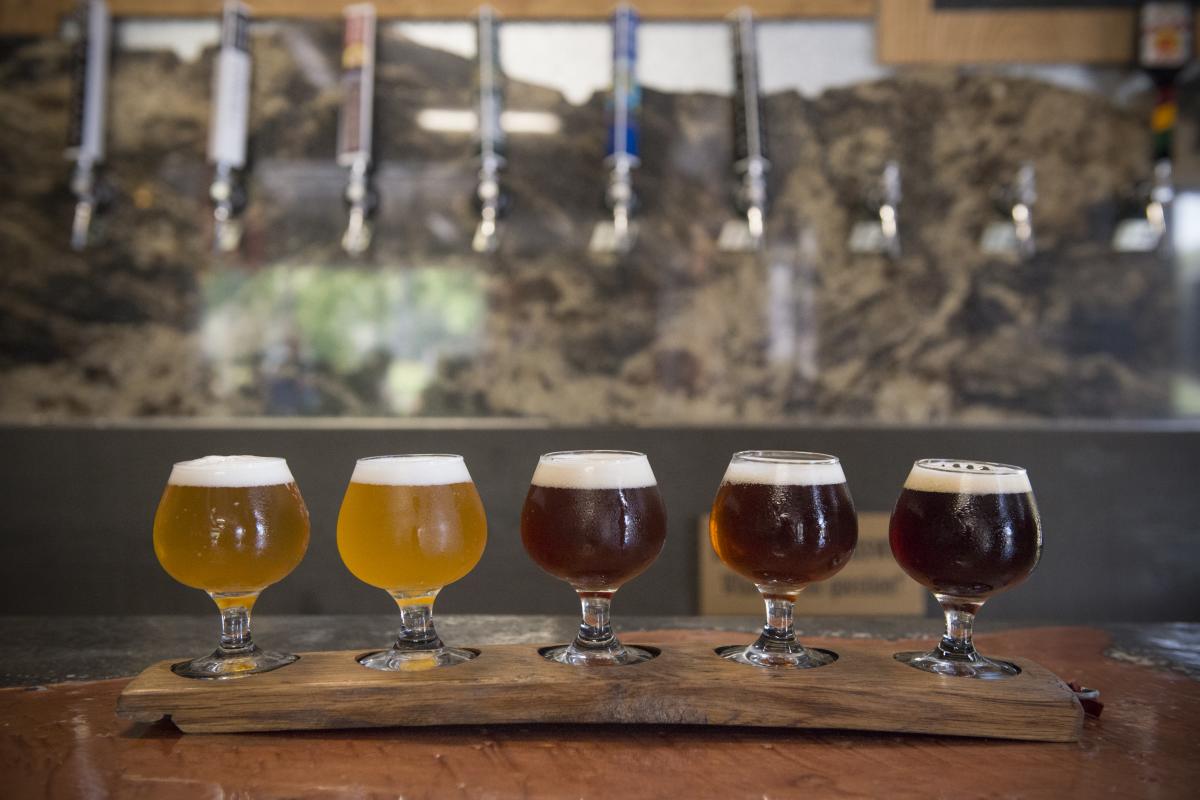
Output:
x,y
687,684
915,32
66,741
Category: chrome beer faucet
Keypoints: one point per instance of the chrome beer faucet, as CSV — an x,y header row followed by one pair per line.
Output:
x,y
355,127
490,198
1165,48
1013,234
880,231
1162,193
1024,196
621,150
750,162
229,126
86,136
889,224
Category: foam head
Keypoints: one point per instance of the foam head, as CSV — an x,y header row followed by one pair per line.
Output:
x,y
425,469
594,469
958,476
784,468
232,471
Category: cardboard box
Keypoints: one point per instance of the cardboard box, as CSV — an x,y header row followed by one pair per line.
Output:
x,y
872,583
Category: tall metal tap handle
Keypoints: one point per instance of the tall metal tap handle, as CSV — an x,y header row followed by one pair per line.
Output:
x,y
489,90
749,126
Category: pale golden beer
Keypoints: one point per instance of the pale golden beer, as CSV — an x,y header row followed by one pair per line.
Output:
x,y
230,539
414,534
231,526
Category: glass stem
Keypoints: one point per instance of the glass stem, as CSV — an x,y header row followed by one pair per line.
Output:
x,y
416,621
235,622
595,627
780,626
960,625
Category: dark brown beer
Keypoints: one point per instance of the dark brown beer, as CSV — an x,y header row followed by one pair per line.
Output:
x,y
966,534
784,536
594,539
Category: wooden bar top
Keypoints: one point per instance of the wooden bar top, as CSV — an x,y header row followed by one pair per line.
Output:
x,y
65,740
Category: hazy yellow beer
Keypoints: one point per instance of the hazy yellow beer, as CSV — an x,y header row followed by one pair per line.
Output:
x,y
231,524
411,523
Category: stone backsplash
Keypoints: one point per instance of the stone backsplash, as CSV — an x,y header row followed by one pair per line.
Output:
x,y
149,323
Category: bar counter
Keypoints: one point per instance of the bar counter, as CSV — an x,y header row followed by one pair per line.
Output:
x,y
60,736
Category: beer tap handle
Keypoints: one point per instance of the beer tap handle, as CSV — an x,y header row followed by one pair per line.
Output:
x,y
490,198
230,125
749,128
621,152
356,122
86,135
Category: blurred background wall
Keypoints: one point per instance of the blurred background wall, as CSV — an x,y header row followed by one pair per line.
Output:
x,y
147,348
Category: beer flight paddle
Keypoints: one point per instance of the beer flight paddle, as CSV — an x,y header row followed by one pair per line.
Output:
x,y
594,518
684,684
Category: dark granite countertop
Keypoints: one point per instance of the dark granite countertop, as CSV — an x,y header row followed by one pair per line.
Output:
x,y
54,649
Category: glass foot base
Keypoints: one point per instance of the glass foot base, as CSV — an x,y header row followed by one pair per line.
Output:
x,y
616,656
797,657
394,660
224,665
975,666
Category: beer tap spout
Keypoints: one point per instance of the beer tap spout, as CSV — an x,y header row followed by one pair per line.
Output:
x,y
889,223
83,185
360,198
1024,198
227,196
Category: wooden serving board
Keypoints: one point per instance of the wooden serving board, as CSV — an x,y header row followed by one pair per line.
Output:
x,y
688,684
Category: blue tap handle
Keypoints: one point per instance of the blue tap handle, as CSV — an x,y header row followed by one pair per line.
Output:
x,y
626,95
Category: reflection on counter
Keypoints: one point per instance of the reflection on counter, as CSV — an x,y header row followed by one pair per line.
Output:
x,y
149,323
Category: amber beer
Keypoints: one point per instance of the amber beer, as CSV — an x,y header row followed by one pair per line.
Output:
x,y
594,519
411,523
231,525
967,529
783,524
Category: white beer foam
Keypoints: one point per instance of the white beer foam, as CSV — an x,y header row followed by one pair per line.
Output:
x,y
958,476
233,471
414,470
785,473
594,470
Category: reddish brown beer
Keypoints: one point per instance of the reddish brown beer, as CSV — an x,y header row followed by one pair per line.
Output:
x,y
784,536
966,544
965,530
594,519
594,539
783,519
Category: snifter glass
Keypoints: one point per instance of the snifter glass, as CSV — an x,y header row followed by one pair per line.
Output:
x,y
965,530
783,519
412,525
231,526
595,519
